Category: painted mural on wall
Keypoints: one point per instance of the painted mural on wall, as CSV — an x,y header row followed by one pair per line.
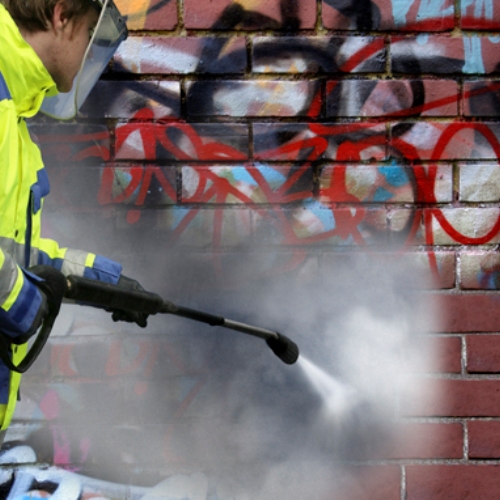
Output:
x,y
214,142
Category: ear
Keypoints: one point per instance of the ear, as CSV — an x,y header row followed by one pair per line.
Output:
x,y
59,19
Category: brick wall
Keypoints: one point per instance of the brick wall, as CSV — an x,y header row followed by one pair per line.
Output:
x,y
302,131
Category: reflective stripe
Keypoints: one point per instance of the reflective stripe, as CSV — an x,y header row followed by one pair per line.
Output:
x,y
74,262
13,248
16,289
89,261
8,276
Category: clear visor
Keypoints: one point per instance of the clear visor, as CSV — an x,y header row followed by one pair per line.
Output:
x,y
110,31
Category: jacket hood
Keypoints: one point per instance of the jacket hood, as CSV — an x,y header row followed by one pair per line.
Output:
x,y
27,78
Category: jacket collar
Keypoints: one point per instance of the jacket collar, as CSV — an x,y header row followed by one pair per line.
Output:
x,y
26,76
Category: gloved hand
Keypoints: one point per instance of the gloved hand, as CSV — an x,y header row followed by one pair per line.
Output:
x,y
52,289
129,316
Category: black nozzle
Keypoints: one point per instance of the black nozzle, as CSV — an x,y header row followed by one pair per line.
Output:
x,y
284,348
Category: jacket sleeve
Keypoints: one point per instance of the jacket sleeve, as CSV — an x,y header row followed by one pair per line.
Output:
x,y
78,262
20,298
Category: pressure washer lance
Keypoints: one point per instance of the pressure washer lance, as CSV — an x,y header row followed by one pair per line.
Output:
x,y
109,296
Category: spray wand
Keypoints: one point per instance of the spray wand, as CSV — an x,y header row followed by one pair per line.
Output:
x,y
109,296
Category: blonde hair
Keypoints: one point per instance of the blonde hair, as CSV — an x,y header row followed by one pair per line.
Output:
x,y
35,15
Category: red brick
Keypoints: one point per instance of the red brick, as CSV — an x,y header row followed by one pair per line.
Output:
x,y
226,14
382,17
392,98
452,398
481,98
483,353
417,441
427,440
469,312
484,439
452,482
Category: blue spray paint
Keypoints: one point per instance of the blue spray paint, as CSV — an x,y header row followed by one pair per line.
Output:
x,y
429,9
473,55
482,8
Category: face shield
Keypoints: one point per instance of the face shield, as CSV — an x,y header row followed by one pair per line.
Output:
x,y
110,31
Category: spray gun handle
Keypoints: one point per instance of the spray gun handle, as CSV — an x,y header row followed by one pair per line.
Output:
x,y
108,296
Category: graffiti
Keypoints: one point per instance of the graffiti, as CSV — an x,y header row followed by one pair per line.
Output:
x,y
149,14
24,480
313,203
52,483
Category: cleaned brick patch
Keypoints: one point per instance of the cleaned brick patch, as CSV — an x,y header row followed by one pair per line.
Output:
x,y
483,353
452,398
484,439
452,482
469,312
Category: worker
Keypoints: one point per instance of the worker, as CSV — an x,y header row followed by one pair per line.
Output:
x,y
51,54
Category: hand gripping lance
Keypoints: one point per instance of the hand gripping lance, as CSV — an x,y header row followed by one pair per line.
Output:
x,y
109,296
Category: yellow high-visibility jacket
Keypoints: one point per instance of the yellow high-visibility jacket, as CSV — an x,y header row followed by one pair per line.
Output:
x,y
24,82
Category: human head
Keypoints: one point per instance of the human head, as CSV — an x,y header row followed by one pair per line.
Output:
x,y
36,15
59,31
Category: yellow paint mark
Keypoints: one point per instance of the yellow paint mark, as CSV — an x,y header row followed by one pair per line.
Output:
x,y
136,12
